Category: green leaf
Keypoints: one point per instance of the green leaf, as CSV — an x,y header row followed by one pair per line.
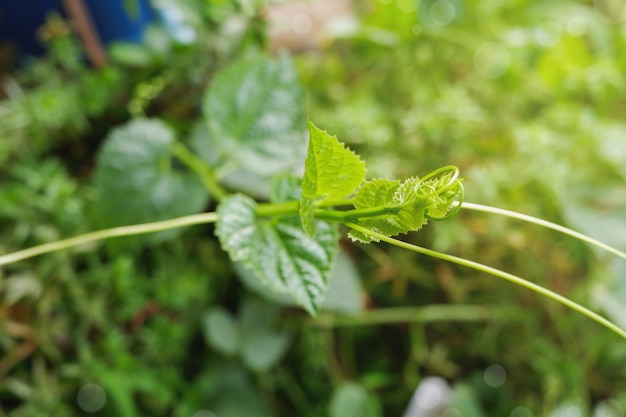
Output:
x,y
131,55
221,331
228,391
263,344
254,112
331,171
350,400
409,207
138,182
254,336
439,194
465,399
118,388
284,188
345,291
278,251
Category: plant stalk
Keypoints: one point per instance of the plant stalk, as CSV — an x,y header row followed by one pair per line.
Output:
x,y
497,273
137,229
546,224
206,174
426,314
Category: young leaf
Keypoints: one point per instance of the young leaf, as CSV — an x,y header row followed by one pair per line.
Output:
x,y
137,182
441,194
408,213
254,113
278,251
331,171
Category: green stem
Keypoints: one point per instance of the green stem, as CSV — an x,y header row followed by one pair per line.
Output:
x,y
497,273
351,215
136,229
335,203
341,216
452,168
425,314
281,209
544,223
206,174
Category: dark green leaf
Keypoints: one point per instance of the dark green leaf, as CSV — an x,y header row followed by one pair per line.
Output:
x,y
138,181
278,250
345,292
254,111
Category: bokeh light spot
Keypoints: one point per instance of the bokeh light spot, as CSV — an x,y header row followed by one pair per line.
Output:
x,y
576,26
609,408
495,376
91,398
548,34
417,29
442,12
492,60
301,23
573,411
428,396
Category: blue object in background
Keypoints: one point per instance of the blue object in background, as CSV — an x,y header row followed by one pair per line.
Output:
x,y
20,20
117,23
19,23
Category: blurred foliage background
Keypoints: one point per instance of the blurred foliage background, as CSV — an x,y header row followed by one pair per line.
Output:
x,y
527,98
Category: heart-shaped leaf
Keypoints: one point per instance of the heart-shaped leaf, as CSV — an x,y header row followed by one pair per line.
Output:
x,y
278,250
254,112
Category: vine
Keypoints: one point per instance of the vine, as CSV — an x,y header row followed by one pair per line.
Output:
x,y
290,243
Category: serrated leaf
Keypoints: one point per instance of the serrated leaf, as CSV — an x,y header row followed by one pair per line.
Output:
x,y
376,192
254,110
345,291
331,171
137,181
386,193
278,251
439,202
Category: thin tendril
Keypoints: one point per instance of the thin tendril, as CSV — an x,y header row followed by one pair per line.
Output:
x,y
544,223
497,273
